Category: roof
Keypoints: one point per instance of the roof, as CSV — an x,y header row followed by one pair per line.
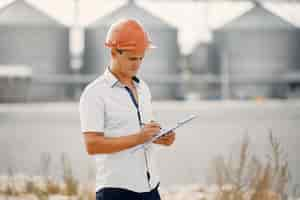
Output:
x,y
132,10
258,18
20,12
196,30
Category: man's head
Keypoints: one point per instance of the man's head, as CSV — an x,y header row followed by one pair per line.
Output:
x,y
128,62
128,42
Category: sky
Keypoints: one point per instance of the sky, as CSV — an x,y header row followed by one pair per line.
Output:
x,y
194,26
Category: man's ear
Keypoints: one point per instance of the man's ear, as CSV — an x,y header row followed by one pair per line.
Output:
x,y
113,53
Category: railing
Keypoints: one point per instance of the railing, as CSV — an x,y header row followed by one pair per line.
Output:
x,y
189,83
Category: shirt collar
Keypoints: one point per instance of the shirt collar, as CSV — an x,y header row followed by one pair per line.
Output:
x,y
114,81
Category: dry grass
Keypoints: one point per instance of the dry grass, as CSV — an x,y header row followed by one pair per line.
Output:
x,y
44,186
250,178
244,178
69,180
10,187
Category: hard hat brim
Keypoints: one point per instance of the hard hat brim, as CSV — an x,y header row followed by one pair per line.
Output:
x,y
108,45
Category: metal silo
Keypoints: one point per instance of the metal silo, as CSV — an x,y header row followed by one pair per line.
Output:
x,y
202,63
257,45
158,62
30,37
14,83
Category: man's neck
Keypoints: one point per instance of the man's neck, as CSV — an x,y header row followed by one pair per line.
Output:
x,y
126,80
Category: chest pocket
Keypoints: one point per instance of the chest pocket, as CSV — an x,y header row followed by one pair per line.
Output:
x,y
146,108
121,117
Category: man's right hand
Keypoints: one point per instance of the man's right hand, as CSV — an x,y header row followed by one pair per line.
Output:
x,y
148,131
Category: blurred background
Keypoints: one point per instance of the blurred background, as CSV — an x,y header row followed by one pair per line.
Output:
x,y
234,63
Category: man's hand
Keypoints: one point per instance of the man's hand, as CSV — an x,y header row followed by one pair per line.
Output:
x,y
148,131
166,140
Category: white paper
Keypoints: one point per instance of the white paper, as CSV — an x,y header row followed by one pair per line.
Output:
x,y
165,131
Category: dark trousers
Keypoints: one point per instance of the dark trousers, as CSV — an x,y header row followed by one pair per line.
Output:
x,y
123,194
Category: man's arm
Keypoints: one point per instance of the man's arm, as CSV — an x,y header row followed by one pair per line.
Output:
x,y
97,143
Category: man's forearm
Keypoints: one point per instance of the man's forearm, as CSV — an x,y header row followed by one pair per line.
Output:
x,y
114,144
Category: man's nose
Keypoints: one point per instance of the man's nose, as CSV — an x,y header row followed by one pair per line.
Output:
x,y
137,63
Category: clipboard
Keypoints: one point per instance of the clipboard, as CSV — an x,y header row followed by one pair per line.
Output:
x,y
165,131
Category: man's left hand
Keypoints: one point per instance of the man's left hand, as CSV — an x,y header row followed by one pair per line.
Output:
x,y
166,140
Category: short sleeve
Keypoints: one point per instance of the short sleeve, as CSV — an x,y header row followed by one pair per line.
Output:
x,y
91,110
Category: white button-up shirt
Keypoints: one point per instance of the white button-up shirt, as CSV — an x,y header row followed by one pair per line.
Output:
x,y
107,106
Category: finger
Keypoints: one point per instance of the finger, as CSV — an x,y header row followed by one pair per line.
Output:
x,y
159,141
152,128
169,135
165,141
154,124
155,129
171,139
162,139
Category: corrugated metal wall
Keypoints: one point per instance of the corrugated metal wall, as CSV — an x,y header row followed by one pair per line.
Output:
x,y
29,37
257,44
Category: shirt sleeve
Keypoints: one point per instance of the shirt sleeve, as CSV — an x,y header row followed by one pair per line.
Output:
x,y
91,110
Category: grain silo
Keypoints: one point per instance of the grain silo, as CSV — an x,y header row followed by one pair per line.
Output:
x,y
202,62
30,37
257,45
14,83
158,62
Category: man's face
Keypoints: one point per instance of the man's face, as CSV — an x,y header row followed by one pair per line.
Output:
x,y
129,62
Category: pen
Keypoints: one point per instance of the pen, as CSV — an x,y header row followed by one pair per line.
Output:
x,y
143,124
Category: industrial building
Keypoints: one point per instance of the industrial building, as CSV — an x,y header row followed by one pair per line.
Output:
x,y
254,50
30,37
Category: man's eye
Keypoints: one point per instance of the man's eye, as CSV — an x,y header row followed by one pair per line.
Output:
x,y
134,59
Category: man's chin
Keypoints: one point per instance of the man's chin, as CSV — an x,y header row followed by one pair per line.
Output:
x,y
133,73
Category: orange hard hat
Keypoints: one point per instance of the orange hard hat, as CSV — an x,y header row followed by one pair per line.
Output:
x,y
129,35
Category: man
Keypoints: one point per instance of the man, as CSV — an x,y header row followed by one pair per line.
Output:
x,y
116,116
